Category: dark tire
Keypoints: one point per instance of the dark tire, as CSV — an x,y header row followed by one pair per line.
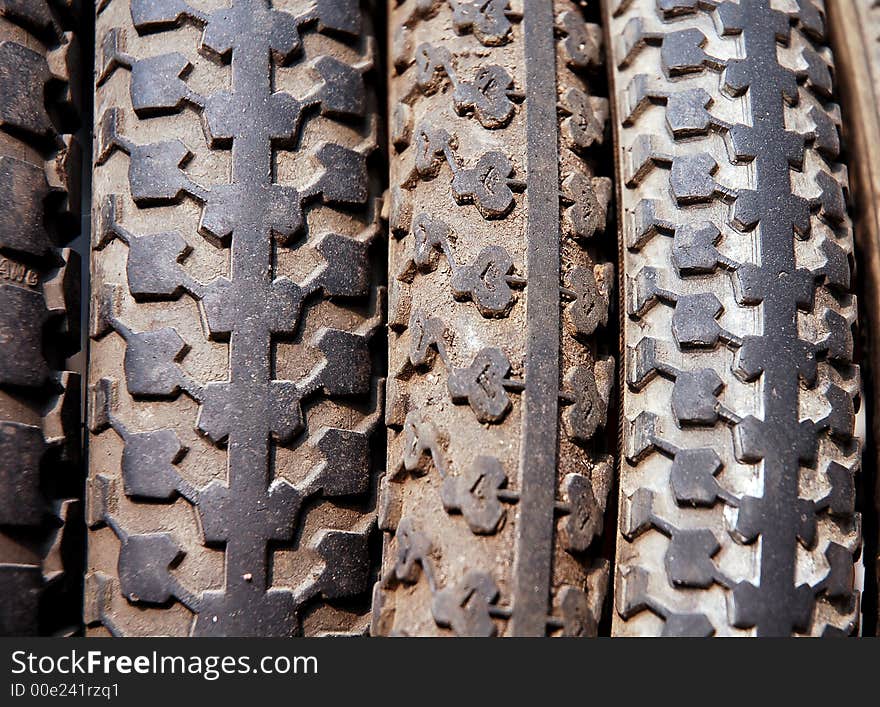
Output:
x,y
40,437
233,387
499,382
740,397
854,26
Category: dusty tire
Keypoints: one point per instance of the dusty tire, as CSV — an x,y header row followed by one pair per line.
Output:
x,y
498,385
740,395
233,388
853,25
40,436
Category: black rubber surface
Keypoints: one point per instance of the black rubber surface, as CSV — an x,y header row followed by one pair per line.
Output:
x,y
40,437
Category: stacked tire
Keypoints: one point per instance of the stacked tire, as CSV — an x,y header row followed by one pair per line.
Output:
x,y
561,340
40,163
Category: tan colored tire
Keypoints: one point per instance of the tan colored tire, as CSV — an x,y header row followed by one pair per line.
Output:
x,y
740,397
233,390
500,372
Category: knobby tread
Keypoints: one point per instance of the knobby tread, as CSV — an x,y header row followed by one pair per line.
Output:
x,y
40,480
740,395
855,38
234,396
497,474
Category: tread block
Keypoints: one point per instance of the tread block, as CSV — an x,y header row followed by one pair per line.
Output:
x,y
62,290
270,614
22,316
153,269
155,172
347,273
144,563
346,469
25,185
342,93
342,16
474,494
695,397
346,563
692,476
584,522
148,461
585,125
582,43
592,288
347,366
487,95
157,84
486,185
693,249
22,448
345,177
273,515
588,211
481,385
591,389
578,616
487,20
485,281
23,73
224,407
688,558
155,15
465,607
151,359
695,321
687,626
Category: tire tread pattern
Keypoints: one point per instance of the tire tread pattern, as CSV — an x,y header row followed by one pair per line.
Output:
x,y
233,389
737,492
498,295
40,484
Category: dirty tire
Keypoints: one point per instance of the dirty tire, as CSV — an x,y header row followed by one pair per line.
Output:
x,y
233,391
740,394
40,436
498,296
855,35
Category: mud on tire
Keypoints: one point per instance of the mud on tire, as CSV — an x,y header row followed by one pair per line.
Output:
x,y
498,474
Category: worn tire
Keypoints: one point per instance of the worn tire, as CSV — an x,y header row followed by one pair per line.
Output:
x,y
498,391
740,394
233,388
40,436
854,26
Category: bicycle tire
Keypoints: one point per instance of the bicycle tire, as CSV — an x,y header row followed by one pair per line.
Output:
x,y
40,436
234,388
499,378
740,394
